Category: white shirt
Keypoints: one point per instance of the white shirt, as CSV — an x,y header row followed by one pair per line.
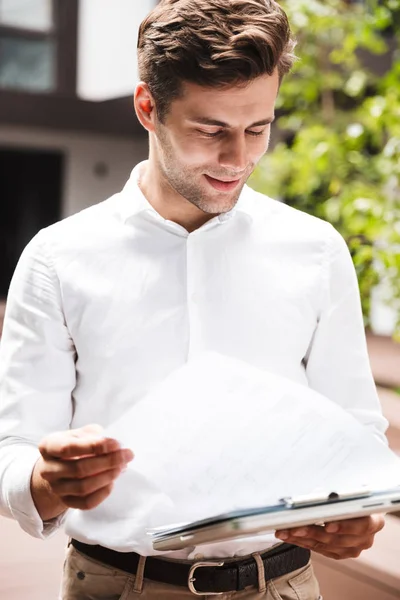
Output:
x,y
105,304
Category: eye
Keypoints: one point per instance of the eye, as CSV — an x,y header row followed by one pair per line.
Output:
x,y
210,134
215,134
256,133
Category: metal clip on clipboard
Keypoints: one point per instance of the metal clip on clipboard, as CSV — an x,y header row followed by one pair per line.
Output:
x,y
323,498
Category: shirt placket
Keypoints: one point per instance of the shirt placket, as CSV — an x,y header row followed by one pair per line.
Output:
x,y
194,291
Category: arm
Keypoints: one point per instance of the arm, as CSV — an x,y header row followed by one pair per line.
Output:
x,y
37,376
338,366
40,475
337,362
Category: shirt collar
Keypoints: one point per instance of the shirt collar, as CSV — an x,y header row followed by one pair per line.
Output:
x,y
134,201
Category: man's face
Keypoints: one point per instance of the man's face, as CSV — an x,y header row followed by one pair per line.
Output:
x,y
212,139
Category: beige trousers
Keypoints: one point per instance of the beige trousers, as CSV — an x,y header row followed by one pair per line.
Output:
x,y
87,579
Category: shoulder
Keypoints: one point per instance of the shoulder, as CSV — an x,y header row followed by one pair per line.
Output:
x,y
82,231
284,221
88,220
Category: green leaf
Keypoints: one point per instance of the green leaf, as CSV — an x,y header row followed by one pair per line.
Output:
x,y
341,160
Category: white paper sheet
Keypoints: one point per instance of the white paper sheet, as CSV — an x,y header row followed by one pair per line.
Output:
x,y
219,434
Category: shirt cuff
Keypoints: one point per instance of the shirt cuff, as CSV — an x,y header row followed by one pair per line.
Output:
x,y
17,491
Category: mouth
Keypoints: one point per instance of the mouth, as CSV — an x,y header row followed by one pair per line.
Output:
x,y
221,185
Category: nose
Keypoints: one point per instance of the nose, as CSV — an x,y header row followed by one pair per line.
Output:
x,y
233,154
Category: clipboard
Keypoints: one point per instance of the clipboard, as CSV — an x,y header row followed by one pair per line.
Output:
x,y
313,509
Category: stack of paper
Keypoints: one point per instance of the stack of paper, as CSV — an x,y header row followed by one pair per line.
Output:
x,y
219,434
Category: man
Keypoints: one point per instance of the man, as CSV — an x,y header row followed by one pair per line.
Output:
x,y
105,304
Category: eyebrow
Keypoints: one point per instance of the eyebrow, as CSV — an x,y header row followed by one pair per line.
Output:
x,y
215,123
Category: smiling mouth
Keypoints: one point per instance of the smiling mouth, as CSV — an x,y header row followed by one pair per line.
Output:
x,y
221,185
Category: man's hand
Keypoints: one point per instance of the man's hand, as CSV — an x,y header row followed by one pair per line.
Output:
x,y
340,539
76,469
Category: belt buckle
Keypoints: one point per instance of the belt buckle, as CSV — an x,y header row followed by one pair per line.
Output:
x,y
192,579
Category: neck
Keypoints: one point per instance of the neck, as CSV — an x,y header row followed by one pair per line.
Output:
x,y
167,202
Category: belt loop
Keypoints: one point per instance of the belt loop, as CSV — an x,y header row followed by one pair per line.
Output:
x,y
138,584
262,585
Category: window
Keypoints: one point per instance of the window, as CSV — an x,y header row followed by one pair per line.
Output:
x,y
36,15
31,183
27,64
38,45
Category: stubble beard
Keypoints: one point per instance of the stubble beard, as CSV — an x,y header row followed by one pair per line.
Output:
x,y
182,181
216,203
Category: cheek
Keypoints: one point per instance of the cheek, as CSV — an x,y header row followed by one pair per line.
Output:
x,y
259,146
258,149
192,151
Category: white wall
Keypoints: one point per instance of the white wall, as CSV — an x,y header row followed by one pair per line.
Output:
x,y
82,187
383,317
107,40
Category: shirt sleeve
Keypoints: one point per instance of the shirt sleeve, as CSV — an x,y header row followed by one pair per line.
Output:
x,y
37,377
337,362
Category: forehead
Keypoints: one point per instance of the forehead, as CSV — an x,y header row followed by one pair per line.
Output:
x,y
238,102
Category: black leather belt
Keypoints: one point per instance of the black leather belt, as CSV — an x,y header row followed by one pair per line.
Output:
x,y
216,576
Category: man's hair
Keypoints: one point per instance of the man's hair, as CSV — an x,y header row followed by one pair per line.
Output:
x,y
213,43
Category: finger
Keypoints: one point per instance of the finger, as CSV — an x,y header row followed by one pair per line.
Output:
x,y
88,502
84,487
332,550
316,538
92,428
337,554
86,467
363,525
331,555
320,534
67,446
359,527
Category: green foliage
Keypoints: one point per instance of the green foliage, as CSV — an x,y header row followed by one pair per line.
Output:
x,y
339,151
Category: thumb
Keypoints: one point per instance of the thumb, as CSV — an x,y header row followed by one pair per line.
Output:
x,y
93,428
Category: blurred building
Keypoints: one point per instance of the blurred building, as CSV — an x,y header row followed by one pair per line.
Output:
x,y
68,132
69,138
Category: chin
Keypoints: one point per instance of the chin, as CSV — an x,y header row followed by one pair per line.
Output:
x,y
217,207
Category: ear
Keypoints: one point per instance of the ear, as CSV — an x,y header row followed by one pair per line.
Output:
x,y
145,106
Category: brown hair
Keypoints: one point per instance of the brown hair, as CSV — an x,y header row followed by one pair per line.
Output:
x,y
214,43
